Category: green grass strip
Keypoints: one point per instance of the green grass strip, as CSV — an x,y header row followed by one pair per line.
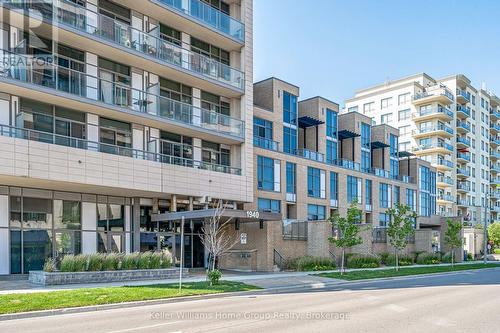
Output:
x,y
403,271
24,302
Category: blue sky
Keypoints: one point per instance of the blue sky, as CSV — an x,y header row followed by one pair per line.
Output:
x,y
335,47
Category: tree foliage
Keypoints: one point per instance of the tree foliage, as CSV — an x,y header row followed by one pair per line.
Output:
x,y
401,227
453,237
494,233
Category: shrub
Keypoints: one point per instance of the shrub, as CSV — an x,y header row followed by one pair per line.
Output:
x,y
428,259
214,276
384,256
129,261
447,258
155,260
403,260
49,265
166,259
144,260
309,263
111,262
72,263
95,262
469,256
363,261
496,251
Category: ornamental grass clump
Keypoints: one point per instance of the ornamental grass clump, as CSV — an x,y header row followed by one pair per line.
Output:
x,y
111,262
155,260
144,260
129,261
95,262
166,259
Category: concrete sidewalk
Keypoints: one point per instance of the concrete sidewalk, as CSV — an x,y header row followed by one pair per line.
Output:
x,y
260,279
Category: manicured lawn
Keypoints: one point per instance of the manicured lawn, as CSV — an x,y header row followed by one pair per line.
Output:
x,y
405,271
83,297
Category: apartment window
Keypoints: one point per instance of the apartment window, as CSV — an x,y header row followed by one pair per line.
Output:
x,y
404,114
331,123
331,151
315,182
114,11
334,186
177,145
171,35
289,108
404,146
265,173
393,143
175,91
404,98
218,4
384,195
262,128
352,109
209,51
397,198
404,130
368,107
214,103
383,219
268,205
353,189
115,133
316,212
365,161
291,177
289,140
215,153
473,100
411,199
427,186
368,192
365,135
386,118
386,103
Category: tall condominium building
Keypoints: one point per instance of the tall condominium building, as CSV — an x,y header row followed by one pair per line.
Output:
x,y
114,117
451,124
310,162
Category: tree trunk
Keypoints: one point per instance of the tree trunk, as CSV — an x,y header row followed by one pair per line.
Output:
x,y
452,258
397,260
342,264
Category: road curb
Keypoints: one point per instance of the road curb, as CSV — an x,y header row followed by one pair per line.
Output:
x,y
92,308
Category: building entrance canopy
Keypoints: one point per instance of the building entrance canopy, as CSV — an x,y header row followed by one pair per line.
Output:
x,y
244,216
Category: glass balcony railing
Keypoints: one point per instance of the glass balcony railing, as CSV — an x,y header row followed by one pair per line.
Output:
x,y
463,140
435,110
463,172
464,110
495,114
445,163
61,140
446,197
495,167
464,156
495,127
495,140
434,128
310,154
348,164
494,154
464,94
148,44
463,186
48,75
265,143
463,125
463,202
208,15
442,91
445,180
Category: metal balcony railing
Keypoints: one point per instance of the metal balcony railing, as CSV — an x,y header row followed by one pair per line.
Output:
x,y
265,143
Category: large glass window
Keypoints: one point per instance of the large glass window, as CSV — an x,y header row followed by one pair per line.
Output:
x,y
289,140
368,192
67,215
291,177
265,173
384,195
365,161
353,190
383,219
115,133
210,51
268,205
214,103
214,153
334,186
262,128
411,199
289,108
331,123
177,145
313,182
397,191
331,151
316,213
365,135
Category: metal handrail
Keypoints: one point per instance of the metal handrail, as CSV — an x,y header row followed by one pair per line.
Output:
x,y
72,142
278,259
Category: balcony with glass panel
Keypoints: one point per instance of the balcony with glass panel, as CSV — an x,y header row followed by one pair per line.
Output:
x,y
348,164
462,202
463,111
443,165
439,147
463,127
93,25
265,143
462,142
463,157
495,115
494,141
434,130
495,195
73,142
445,198
463,173
494,154
463,96
495,168
463,187
68,83
438,112
208,16
494,180
310,155
445,181
440,95
494,129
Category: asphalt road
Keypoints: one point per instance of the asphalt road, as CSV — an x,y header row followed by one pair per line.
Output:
x,y
459,302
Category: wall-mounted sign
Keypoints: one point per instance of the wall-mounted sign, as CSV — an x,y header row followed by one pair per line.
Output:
x,y
252,214
243,238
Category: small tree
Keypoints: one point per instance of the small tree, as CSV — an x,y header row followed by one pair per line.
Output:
x,y
347,230
494,233
453,237
217,238
400,228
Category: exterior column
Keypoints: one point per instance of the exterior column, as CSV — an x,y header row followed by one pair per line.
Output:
x,y
173,203
4,235
197,107
89,222
91,66
136,224
92,131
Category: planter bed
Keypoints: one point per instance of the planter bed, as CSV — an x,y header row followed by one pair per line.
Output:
x,y
58,278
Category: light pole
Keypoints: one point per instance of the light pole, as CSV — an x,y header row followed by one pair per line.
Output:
x,y
485,242
182,254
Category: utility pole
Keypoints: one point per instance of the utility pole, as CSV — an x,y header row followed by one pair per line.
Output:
x,y
182,254
485,242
